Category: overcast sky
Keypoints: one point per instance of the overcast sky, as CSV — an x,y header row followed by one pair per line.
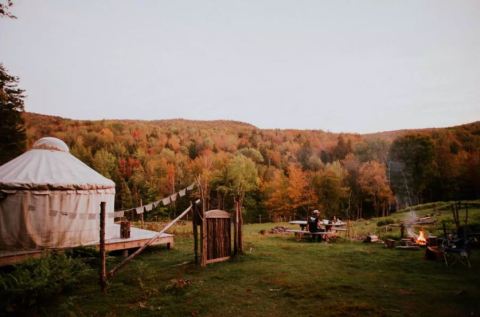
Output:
x,y
351,66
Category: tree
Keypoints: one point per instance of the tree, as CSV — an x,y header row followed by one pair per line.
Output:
x,y
329,187
373,182
355,199
447,168
372,150
414,154
104,162
5,9
275,191
202,168
342,148
12,130
252,154
304,154
299,192
242,176
126,200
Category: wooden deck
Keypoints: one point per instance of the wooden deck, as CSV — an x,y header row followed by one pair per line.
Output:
x,y
138,237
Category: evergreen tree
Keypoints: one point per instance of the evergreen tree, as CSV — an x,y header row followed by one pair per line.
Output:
x,y
12,130
5,9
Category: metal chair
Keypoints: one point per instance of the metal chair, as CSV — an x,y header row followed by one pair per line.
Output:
x,y
456,251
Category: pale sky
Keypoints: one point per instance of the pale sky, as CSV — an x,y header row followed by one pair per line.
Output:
x,y
343,66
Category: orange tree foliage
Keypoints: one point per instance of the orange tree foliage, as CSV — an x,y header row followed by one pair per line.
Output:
x,y
346,175
374,184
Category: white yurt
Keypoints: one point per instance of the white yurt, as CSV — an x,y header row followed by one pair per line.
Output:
x,y
51,199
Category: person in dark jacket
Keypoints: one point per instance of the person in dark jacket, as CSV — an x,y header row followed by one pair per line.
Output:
x,y
313,225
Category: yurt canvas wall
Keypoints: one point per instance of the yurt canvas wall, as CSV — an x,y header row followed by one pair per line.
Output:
x,y
50,199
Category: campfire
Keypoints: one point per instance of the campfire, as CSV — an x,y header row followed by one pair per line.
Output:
x,y
421,240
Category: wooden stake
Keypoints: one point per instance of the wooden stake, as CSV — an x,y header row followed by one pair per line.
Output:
x,y
240,226
235,230
141,215
455,215
195,232
103,263
466,214
204,234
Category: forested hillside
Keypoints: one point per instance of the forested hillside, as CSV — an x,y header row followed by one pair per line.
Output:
x,y
293,170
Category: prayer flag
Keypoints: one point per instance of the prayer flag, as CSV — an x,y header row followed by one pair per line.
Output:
x,y
166,201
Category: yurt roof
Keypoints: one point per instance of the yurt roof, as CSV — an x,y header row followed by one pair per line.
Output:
x,y
49,165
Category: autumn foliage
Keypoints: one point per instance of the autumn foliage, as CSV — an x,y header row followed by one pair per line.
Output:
x,y
276,173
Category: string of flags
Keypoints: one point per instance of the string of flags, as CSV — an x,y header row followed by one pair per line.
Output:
x,y
164,201
138,210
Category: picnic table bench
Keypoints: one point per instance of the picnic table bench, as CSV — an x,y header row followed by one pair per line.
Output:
x,y
300,233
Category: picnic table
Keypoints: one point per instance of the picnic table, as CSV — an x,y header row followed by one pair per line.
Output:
x,y
301,223
336,225
330,228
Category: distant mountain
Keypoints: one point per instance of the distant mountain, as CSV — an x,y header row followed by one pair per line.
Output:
x,y
389,136
181,123
473,127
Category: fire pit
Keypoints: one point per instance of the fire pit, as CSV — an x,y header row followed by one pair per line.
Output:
x,y
415,242
421,240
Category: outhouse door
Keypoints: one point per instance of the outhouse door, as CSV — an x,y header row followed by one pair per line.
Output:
x,y
219,245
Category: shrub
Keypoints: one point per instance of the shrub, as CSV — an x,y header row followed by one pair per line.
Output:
x,y
31,282
384,222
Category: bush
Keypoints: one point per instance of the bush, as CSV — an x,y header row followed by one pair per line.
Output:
x,y
31,282
384,222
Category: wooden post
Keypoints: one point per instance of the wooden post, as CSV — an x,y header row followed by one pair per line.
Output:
x,y
103,263
240,226
466,214
349,228
402,230
204,233
141,215
455,214
195,232
235,230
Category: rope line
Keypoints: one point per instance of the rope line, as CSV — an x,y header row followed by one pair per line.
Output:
x,y
121,213
165,201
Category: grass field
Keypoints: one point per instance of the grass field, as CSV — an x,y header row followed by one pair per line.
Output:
x,y
279,276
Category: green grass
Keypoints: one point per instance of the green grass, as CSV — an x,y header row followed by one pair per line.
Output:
x,y
279,276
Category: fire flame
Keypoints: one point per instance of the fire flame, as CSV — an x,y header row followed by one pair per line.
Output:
x,y
421,238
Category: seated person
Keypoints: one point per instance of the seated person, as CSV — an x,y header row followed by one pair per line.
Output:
x,y
313,225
